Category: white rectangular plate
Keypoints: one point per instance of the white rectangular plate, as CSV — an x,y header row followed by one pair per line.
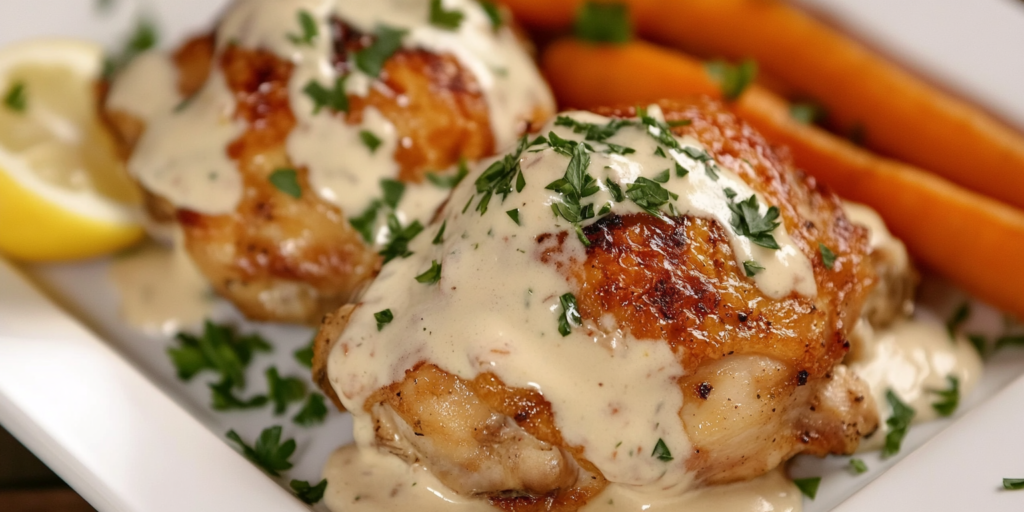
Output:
x,y
100,403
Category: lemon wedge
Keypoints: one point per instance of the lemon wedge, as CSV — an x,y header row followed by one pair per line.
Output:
x,y
64,194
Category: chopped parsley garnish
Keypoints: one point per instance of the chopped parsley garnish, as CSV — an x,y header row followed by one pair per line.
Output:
x,y
514,215
269,453
660,152
662,177
751,268
649,194
387,41
304,355
615,190
857,466
309,29
729,193
432,275
948,399
575,185
309,494
284,390
828,258
287,181
218,349
980,344
493,13
439,238
661,451
602,22
449,181
383,318
334,99
748,221
570,316
313,412
732,79
591,131
443,18
619,150
393,191
808,486
679,122
958,318
1013,484
806,112
223,398
497,179
1009,341
371,141
365,222
898,423
143,38
399,238
16,99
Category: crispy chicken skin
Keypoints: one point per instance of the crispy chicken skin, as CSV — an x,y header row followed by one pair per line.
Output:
x,y
281,259
763,376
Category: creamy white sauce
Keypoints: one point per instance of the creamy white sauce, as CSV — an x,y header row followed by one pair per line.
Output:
x,y
182,149
912,358
146,88
161,290
880,239
359,479
496,310
182,155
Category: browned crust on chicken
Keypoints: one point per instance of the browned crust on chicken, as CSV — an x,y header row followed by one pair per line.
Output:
x,y
331,327
283,259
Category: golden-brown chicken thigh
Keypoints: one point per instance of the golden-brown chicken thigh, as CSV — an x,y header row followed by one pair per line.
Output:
x,y
757,371
284,258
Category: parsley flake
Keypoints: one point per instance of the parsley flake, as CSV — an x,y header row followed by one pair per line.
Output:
x,y
949,398
309,494
661,451
514,215
748,221
601,22
751,268
1013,484
449,181
828,258
284,390
16,99
144,37
313,412
218,349
570,316
498,178
286,181
309,29
493,13
1009,341
958,318
681,171
649,195
269,453
432,275
898,423
393,191
399,238
439,239
387,41
444,18
334,99
732,79
383,318
806,112
615,190
371,141
304,355
857,466
808,486
223,398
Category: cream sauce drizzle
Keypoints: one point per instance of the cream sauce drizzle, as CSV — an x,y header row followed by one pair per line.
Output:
x,y
912,358
181,150
359,479
496,310
161,290
146,88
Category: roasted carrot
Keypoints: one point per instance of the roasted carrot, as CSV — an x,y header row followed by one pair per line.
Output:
x,y
896,113
973,240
